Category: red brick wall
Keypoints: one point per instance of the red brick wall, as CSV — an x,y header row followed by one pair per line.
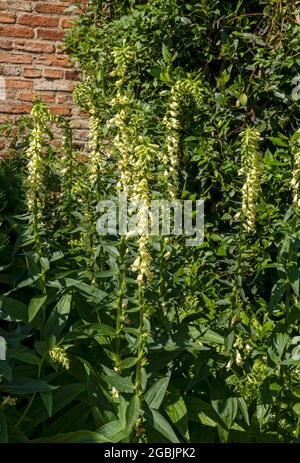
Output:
x,y
32,60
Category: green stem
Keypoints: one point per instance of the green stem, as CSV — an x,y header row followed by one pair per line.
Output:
x,y
120,298
38,250
288,298
162,280
140,362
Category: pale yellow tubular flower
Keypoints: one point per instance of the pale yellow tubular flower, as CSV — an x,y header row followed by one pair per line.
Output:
x,y
114,393
123,139
181,91
172,125
251,171
141,194
35,166
295,182
59,355
132,164
94,154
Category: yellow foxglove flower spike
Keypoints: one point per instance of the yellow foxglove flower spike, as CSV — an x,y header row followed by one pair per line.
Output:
x,y
295,182
59,355
250,169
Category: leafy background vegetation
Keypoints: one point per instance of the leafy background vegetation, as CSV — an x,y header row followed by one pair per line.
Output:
x,y
206,349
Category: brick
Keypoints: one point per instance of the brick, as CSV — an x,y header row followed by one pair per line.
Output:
x,y
65,98
15,108
7,18
81,134
66,23
15,58
18,83
68,2
16,31
53,73
6,44
55,8
19,5
72,75
34,46
33,21
63,110
44,96
31,72
55,86
52,60
72,1
49,34
11,70
26,96
79,123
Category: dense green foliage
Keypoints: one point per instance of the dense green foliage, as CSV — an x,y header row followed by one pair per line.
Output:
x,y
206,348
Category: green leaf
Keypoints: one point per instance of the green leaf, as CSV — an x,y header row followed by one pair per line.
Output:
x,y
202,412
58,317
26,357
47,399
98,329
62,397
113,431
161,425
22,386
123,405
227,410
34,306
278,141
277,292
71,420
177,412
133,412
293,276
77,437
166,54
244,409
211,336
16,310
128,363
122,384
94,294
278,343
155,395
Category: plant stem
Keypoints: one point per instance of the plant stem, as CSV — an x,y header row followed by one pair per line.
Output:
x,y
38,250
120,298
139,366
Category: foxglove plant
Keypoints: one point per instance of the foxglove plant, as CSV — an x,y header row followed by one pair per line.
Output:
x,y
122,144
67,165
182,91
251,171
295,182
36,188
35,166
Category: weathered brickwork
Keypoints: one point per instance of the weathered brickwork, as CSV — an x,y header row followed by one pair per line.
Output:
x,y
33,62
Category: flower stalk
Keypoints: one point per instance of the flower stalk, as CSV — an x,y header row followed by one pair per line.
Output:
x,y
251,171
